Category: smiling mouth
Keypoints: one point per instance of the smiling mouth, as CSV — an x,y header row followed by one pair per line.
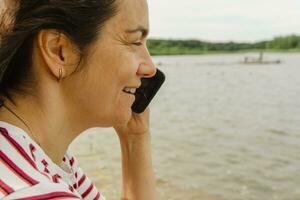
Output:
x,y
129,90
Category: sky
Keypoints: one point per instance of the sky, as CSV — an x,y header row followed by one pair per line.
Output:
x,y
223,20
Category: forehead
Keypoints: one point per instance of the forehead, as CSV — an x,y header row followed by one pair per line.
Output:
x,y
132,13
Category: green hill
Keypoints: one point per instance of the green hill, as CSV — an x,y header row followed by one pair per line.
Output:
x,y
179,47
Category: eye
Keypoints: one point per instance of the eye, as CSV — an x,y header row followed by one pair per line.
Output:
x,y
137,43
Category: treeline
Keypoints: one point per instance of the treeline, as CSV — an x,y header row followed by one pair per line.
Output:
x,y
175,47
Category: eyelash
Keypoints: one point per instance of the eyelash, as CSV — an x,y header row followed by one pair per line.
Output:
x,y
137,43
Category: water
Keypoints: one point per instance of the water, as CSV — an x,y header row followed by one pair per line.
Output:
x,y
221,130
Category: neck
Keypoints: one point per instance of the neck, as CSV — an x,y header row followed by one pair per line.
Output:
x,y
49,128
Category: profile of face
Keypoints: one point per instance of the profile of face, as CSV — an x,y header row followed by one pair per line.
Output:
x,y
118,59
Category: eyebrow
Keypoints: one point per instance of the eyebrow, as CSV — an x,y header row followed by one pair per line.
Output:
x,y
141,29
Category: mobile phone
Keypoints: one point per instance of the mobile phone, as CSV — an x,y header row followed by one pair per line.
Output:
x,y
147,91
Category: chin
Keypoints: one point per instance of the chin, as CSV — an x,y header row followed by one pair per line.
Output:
x,y
123,117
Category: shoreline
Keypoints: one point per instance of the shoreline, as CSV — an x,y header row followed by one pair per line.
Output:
x,y
227,52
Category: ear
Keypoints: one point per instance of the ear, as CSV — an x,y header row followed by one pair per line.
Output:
x,y
58,51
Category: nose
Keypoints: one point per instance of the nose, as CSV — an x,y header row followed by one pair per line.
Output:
x,y
147,68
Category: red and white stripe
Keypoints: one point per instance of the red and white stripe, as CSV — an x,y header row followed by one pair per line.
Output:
x,y
27,173
83,185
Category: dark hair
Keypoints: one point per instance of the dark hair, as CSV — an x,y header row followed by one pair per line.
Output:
x,y
80,20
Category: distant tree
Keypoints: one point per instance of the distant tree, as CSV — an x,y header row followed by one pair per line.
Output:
x,y
169,47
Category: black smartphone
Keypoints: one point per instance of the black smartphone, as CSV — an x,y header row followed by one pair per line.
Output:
x,y
147,91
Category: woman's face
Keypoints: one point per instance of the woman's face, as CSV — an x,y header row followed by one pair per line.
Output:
x,y
117,60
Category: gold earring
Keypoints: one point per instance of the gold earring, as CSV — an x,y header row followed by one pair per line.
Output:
x,y
60,74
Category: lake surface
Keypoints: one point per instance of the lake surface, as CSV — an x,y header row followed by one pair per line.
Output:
x,y
221,130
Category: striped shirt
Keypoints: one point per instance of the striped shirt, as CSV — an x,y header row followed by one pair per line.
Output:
x,y
27,173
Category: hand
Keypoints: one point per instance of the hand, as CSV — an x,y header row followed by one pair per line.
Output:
x,y
137,170
139,124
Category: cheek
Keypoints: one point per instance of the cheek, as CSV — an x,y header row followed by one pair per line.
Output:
x,y
126,70
106,74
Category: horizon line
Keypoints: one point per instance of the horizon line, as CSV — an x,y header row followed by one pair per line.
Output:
x,y
222,41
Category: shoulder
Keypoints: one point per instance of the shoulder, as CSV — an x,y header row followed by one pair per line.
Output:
x,y
18,169
26,171
17,160
21,176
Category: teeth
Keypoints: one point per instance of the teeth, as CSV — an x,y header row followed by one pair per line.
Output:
x,y
132,90
129,90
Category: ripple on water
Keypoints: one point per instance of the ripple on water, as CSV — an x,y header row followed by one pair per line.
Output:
x,y
278,132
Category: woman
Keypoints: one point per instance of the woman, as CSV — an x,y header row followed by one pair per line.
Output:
x,y
67,66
